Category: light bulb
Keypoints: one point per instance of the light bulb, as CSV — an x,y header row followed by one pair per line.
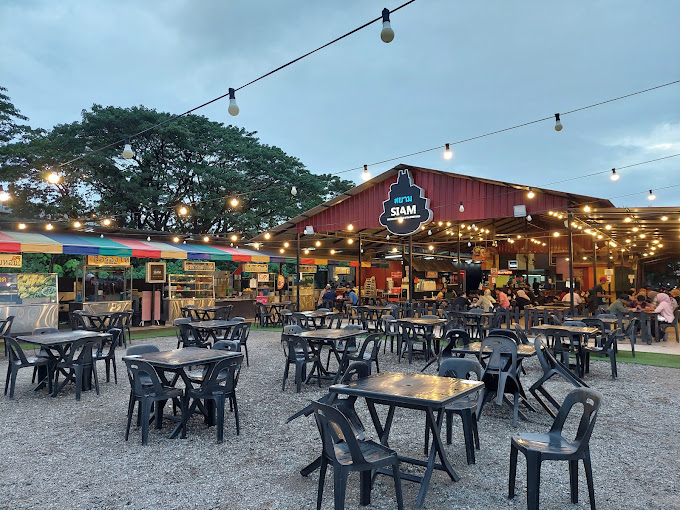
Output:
x,y
461,208
306,251
22,226
400,220
350,227
53,178
4,196
234,237
183,211
77,224
293,191
386,34
531,193
175,239
431,248
558,123
350,240
664,218
106,222
627,219
651,195
267,235
234,202
607,227
286,244
318,244
49,226
365,175
127,150
148,238
233,107
332,252
469,243
528,219
281,250
448,153
586,208
556,234
614,176
429,232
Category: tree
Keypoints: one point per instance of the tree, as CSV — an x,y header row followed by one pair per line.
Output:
x,y
188,161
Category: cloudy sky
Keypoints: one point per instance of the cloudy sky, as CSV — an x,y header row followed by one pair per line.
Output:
x,y
455,69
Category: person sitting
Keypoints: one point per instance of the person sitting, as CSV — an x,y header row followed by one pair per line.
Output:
x,y
461,302
352,296
486,302
502,299
665,311
577,298
522,299
442,293
620,306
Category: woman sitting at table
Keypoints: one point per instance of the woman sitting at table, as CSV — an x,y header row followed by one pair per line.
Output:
x,y
486,302
502,298
522,299
665,311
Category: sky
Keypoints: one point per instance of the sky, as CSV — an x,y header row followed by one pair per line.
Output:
x,y
455,70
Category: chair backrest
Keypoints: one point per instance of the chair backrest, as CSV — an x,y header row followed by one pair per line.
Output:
x,y
323,309
523,338
189,335
81,351
374,340
6,326
390,324
553,320
223,313
141,349
78,321
355,370
334,321
631,326
407,331
353,326
222,376
115,341
295,346
227,345
44,331
501,348
498,319
460,368
611,339
576,324
118,320
430,317
606,316
455,338
543,354
141,374
292,330
508,333
183,320
239,319
240,332
336,428
590,399
16,353
594,323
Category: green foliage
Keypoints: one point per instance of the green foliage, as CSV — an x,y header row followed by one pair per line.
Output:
x,y
191,161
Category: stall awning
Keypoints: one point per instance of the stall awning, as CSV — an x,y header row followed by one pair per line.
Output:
x,y
440,266
72,244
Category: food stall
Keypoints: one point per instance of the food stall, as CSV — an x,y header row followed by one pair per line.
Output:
x,y
104,285
31,298
195,288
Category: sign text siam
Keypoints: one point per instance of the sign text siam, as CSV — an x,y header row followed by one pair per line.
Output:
x,y
250,267
192,265
10,260
107,260
406,207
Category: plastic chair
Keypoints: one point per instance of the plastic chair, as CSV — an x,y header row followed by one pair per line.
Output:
x,y
608,349
522,335
374,340
223,313
110,357
508,333
553,446
665,326
551,367
334,321
79,322
299,354
218,385
500,374
43,353
391,330
346,453
466,408
19,360
147,389
263,316
190,337
240,333
408,339
77,360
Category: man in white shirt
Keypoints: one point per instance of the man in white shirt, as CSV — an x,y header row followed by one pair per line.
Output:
x,y
577,298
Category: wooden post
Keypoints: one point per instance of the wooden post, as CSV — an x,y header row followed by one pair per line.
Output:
x,y
299,275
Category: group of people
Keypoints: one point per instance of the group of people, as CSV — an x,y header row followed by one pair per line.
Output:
x,y
339,297
662,303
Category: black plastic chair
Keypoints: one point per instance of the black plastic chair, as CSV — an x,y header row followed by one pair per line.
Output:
x,y
522,335
508,333
19,360
118,321
240,333
219,384
263,316
334,321
408,339
109,358
553,446
77,362
5,328
594,322
608,349
223,313
147,389
466,408
299,354
190,337
374,340
79,322
551,367
629,333
390,329
342,449
43,353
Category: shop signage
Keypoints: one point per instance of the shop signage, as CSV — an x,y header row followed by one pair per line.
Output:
x,y
263,277
430,274
494,272
406,207
396,275
107,260
250,267
155,272
504,271
10,260
341,270
192,265
308,269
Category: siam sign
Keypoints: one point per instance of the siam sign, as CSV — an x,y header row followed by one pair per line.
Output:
x,y
406,207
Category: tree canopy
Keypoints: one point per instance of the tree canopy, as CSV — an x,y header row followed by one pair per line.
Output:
x,y
188,161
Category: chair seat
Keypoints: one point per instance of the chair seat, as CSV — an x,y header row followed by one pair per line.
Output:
x,y
461,405
551,444
168,392
34,360
373,452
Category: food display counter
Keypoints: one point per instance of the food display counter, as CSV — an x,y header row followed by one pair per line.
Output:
x,y
104,285
31,298
194,289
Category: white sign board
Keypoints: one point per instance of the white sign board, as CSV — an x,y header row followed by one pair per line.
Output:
x,y
10,260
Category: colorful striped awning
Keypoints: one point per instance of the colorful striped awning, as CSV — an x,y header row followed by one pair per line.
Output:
x,y
73,244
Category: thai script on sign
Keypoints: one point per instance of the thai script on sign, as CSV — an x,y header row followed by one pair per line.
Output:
x,y
10,260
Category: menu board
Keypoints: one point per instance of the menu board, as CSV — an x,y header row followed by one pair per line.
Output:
x,y
37,288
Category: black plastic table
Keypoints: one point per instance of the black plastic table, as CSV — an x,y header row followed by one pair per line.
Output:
x,y
57,346
313,316
317,338
100,320
176,361
209,328
579,339
427,393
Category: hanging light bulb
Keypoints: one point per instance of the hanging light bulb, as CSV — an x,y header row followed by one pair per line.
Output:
x,y
234,202
651,195
350,240
49,226
448,153
233,107
267,235
531,193
386,34
529,218
469,244
293,191
53,177
461,208
558,123
556,234
664,218
256,246
365,175
175,239
332,252
148,238
350,227
106,222
429,232
183,211
614,176
127,150
286,244
400,220
318,244
4,196
206,239
281,250
607,227
306,251
22,226
586,208
431,248
77,224
234,237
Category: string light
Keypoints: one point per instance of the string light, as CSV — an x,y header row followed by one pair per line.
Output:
x,y
365,175
233,107
586,208
400,220
267,235
281,250
306,251
127,150
175,239
77,224
318,244
627,219
350,227
53,178
386,34
49,226
332,252
531,193
448,153
556,234
106,222
234,202
461,208
234,237
607,227
664,218
286,244
4,196
350,240
293,191
22,226
651,195
431,248
558,123
183,211
206,239
614,177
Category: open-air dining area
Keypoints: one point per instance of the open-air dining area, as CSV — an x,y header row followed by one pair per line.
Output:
x,y
339,255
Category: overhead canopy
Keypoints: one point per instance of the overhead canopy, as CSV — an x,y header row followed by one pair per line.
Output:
x,y
72,244
440,266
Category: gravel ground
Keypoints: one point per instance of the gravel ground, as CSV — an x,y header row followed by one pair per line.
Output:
x,y
59,453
